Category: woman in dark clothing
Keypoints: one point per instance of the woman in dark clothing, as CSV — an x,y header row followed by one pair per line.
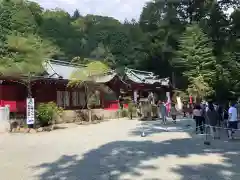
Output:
x,y
225,116
212,120
220,114
184,109
121,101
197,115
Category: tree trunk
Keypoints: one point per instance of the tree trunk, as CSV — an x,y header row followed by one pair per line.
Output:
x,y
87,103
29,88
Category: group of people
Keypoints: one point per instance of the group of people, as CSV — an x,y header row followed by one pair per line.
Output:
x,y
165,109
209,116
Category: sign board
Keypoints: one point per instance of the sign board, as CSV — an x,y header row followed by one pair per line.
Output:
x,y
30,110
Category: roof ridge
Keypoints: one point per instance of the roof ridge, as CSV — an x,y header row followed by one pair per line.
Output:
x,y
139,71
66,63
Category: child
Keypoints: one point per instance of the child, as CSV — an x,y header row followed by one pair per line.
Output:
x,y
173,112
162,111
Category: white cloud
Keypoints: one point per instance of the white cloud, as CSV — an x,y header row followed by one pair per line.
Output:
x,y
119,9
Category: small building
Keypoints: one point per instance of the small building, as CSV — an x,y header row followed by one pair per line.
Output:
x,y
138,84
52,85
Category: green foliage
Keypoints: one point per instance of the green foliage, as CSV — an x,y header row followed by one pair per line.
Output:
x,y
46,112
76,15
195,54
198,88
197,61
88,77
89,73
200,34
23,51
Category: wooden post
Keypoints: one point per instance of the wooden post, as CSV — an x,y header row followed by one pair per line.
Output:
x,y
1,96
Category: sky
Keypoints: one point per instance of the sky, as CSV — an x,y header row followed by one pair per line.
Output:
x,y
119,9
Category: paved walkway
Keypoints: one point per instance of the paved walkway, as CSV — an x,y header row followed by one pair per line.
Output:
x,y
114,150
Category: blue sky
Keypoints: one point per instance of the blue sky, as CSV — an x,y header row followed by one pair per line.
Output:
x,y
119,9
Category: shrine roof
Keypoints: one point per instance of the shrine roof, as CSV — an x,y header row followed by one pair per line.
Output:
x,y
59,70
145,77
56,69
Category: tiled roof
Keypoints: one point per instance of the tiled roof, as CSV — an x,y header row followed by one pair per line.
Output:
x,y
64,70
144,77
58,69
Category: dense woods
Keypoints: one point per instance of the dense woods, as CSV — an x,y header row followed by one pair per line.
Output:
x,y
196,43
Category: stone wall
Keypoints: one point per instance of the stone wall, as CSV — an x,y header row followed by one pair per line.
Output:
x,y
69,116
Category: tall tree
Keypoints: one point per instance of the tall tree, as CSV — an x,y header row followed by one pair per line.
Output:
x,y
23,50
86,77
76,14
195,57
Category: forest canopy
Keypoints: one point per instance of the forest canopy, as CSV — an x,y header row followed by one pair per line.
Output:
x,y
193,42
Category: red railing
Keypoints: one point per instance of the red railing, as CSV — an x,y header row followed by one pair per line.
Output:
x,y
113,105
15,106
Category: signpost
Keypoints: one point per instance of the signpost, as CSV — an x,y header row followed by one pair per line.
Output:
x,y
30,111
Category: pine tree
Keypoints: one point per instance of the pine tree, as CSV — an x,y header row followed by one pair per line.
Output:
x,y
195,54
76,15
195,57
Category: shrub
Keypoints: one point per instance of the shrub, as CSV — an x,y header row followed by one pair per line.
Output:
x,y
46,112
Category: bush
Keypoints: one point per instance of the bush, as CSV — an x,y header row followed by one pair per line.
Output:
x,y
46,113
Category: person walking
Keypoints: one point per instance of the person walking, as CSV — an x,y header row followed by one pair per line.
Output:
x,y
173,112
220,111
197,115
162,111
121,102
232,120
212,121
184,109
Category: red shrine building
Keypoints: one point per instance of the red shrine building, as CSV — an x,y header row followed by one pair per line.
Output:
x,y
53,86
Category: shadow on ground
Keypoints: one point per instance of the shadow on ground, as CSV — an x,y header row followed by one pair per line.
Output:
x,y
113,160
156,127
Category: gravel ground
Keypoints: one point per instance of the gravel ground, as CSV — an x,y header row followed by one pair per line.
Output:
x,y
114,150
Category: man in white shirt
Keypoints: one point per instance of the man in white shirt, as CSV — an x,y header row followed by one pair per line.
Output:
x,y
232,120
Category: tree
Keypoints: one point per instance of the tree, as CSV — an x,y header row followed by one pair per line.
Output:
x,y
196,59
104,53
23,51
76,14
150,44
86,77
56,27
199,88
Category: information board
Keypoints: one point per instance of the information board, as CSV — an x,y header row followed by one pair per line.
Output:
x,y
30,111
